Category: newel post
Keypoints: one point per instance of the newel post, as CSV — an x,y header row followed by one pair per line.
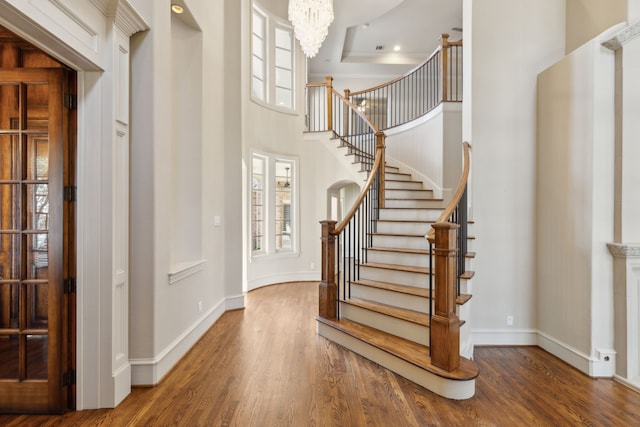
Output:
x,y
444,58
329,85
445,325
380,144
328,295
347,112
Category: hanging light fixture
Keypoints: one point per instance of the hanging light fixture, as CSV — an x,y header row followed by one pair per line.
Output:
x,y
311,20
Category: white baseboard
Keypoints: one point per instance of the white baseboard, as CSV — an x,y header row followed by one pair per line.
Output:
x,y
306,276
504,337
122,383
592,366
633,384
149,371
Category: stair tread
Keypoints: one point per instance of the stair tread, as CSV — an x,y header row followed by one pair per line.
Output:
x,y
405,289
467,275
417,208
406,350
405,181
412,316
397,267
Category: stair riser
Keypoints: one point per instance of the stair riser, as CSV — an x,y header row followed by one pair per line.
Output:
x,y
387,241
396,299
403,185
417,227
408,278
383,257
409,214
410,203
397,176
408,194
451,389
391,325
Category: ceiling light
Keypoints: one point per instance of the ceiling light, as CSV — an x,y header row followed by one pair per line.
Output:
x,y
396,48
311,20
177,8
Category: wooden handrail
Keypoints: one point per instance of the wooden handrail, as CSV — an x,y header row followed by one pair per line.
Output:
x,y
372,175
354,107
445,43
448,211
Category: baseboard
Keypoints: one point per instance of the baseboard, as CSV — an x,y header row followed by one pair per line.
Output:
x,y
122,383
632,384
306,276
603,366
504,336
149,371
589,365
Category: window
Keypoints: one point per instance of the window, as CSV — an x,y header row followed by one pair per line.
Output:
x,y
257,203
258,41
272,60
273,225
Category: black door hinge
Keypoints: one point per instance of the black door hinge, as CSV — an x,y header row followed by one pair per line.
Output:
x,y
70,194
69,378
70,101
70,286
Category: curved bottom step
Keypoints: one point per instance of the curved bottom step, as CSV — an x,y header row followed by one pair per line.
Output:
x,y
401,356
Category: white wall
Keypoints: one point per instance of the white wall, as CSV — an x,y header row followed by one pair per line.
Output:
x,y
430,148
575,207
588,18
175,302
500,124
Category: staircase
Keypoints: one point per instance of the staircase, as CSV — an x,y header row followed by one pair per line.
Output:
x,y
384,308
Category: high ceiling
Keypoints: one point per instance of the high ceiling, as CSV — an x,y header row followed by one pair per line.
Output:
x,y
363,34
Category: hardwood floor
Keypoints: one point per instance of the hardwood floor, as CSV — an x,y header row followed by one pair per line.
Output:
x,y
265,366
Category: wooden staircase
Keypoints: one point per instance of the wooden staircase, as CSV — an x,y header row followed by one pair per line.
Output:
x,y
384,312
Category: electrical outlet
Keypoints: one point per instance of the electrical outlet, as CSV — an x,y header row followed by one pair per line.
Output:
x,y
199,306
509,320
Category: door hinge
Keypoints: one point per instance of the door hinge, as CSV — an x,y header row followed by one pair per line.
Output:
x,y
70,193
69,378
70,286
70,101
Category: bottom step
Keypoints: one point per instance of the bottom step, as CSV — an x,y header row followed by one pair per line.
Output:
x,y
401,356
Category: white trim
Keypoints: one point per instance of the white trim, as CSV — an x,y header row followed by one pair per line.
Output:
x,y
623,36
183,270
122,383
592,366
633,384
149,371
504,337
305,276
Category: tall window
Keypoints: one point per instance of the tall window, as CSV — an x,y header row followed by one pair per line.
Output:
x,y
273,225
258,57
257,203
284,227
272,60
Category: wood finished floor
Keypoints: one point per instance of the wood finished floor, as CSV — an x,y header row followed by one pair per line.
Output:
x,y
265,366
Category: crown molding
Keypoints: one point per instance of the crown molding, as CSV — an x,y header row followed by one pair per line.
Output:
x,y
624,36
126,16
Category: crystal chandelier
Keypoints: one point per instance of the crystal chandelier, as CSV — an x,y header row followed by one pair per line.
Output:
x,y
311,20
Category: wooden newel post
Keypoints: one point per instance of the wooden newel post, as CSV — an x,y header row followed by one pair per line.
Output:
x,y
347,112
445,325
380,143
328,295
329,102
444,43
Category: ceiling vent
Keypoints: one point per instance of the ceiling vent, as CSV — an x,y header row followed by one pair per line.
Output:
x,y
379,47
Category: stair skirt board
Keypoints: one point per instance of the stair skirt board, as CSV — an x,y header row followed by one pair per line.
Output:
x,y
391,325
451,389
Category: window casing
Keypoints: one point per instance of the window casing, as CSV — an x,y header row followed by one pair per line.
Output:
x,y
273,205
272,60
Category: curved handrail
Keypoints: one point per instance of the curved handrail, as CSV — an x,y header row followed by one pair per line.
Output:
x,y
363,193
455,200
354,108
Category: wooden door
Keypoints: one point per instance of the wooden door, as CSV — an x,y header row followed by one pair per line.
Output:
x,y
36,240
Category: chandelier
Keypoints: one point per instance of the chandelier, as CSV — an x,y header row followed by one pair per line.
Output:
x,y
311,20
